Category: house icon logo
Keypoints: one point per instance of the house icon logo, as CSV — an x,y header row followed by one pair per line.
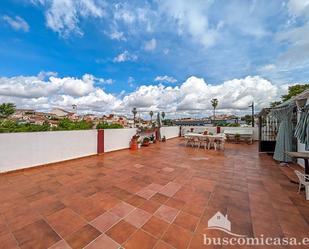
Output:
x,y
222,223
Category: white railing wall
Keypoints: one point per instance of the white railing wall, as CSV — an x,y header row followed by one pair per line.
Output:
x,y
28,149
200,129
170,131
254,129
117,139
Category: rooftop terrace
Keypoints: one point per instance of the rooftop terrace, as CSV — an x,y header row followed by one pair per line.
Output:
x,y
157,197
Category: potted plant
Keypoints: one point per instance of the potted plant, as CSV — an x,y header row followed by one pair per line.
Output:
x,y
146,141
139,143
133,142
152,139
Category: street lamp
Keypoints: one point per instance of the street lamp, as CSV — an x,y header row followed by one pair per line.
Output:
x,y
252,114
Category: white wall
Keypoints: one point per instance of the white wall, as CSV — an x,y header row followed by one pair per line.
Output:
x,y
200,129
117,139
254,129
170,131
28,149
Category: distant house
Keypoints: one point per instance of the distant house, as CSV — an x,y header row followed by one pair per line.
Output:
x,y
219,220
61,113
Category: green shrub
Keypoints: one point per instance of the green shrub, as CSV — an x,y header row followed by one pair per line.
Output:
x,y
105,125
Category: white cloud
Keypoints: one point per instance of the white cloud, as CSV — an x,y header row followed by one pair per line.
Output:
x,y
105,81
117,35
125,56
43,75
165,78
63,16
17,23
150,45
296,55
191,18
267,68
192,96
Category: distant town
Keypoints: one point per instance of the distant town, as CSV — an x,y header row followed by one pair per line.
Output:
x,y
57,115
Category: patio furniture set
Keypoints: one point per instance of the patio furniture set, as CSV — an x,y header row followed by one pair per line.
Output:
x,y
207,141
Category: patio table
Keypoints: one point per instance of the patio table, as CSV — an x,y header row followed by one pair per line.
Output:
x,y
301,155
211,138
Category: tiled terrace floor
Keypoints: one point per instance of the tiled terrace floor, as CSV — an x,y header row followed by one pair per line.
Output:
x,y
158,197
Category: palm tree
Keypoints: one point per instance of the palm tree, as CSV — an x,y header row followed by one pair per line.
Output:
x,y
163,115
214,103
6,109
151,114
134,111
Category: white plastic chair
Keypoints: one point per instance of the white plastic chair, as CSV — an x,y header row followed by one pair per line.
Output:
x,y
303,180
204,142
189,140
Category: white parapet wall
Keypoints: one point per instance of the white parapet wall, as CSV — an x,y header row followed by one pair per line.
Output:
x,y
254,129
117,139
28,149
170,131
201,129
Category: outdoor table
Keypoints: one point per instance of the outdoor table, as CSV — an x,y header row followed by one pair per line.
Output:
x,y
212,138
301,155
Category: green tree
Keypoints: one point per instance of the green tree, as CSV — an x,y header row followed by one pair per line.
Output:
x,y
105,125
275,103
247,119
214,103
294,90
6,109
151,114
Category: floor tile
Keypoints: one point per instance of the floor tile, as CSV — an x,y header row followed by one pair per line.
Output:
x,y
65,221
159,198
121,231
103,242
186,221
122,209
155,226
162,245
62,244
170,189
177,237
82,237
105,221
36,235
150,206
166,213
140,240
146,193
8,241
138,217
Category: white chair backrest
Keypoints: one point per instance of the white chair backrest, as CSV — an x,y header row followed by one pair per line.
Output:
x,y
301,177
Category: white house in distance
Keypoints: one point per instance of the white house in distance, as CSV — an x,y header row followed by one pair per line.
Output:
x,y
219,220
61,113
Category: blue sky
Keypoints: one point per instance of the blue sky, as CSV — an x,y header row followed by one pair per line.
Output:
x,y
136,49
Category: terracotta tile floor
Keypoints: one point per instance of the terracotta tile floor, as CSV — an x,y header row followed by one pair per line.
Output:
x,y
158,197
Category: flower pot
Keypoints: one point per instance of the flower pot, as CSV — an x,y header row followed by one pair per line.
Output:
x,y
133,145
